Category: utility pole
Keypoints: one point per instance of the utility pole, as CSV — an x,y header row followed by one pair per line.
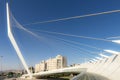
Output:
x,y
1,62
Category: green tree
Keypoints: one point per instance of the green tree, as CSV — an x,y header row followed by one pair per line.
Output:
x,y
10,74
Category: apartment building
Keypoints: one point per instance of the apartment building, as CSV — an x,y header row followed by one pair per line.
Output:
x,y
51,64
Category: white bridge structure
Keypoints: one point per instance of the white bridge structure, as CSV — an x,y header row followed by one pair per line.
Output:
x,y
69,70
107,66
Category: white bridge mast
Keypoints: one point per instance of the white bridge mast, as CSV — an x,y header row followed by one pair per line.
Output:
x,y
14,43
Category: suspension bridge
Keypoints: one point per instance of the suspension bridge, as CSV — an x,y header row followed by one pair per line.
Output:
x,y
107,66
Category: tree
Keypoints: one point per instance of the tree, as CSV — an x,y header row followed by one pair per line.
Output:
x,y
10,74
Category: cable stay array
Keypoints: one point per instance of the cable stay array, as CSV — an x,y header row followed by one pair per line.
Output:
x,y
16,24
60,39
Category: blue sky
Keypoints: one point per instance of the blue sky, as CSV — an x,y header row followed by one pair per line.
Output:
x,y
34,50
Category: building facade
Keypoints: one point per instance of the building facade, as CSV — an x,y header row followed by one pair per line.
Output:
x,y
51,64
37,68
42,66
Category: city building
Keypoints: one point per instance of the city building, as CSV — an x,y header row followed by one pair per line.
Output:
x,y
51,64
56,63
42,66
37,68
